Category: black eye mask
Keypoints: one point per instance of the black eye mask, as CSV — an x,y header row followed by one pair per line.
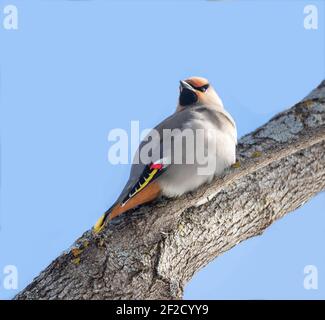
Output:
x,y
202,88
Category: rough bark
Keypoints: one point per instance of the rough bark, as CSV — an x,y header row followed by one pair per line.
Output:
x,y
154,251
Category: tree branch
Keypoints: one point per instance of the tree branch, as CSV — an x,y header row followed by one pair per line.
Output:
x,y
154,251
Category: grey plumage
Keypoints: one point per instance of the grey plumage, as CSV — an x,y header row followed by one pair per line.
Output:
x,y
183,152
181,178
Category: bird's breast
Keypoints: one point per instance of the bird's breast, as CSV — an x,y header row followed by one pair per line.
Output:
x,y
213,150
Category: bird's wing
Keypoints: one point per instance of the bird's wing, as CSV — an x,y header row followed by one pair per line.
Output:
x,y
142,174
150,173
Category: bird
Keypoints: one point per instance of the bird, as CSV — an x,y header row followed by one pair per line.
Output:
x,y
199,109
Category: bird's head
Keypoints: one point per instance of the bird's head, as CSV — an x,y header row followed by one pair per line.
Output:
x,y
196,91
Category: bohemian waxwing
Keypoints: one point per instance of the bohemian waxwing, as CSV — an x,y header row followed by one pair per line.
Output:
x,y
174,167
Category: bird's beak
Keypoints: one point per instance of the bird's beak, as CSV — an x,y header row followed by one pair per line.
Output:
x,y
185,85
187,94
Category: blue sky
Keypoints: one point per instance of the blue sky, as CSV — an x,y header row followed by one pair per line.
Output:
x,y
74,70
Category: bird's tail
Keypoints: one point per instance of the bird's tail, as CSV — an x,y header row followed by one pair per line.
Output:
x,y
148,194
106,217
99,225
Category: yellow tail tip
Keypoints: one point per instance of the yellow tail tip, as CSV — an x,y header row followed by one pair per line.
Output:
x,y
98,227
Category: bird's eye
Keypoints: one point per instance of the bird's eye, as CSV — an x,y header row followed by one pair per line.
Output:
x,y
204,88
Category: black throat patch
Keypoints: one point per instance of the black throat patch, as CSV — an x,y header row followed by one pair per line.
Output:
x,y
187,97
